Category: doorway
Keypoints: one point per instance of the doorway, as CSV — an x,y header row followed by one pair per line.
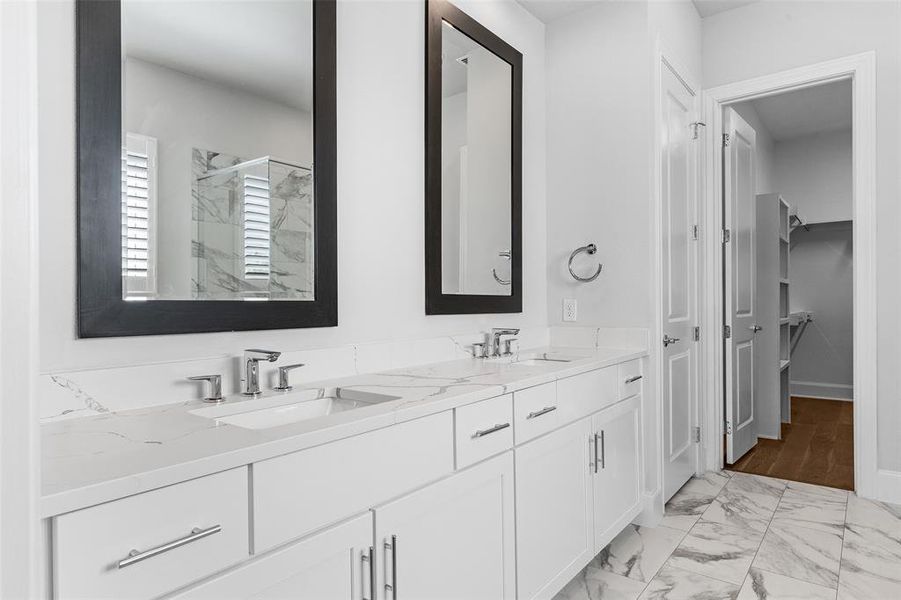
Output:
x,y
730,396
787,171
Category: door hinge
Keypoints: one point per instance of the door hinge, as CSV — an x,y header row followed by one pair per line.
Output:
x,y
697,434
727,426
727,331
695,232
727,236
694,129
726,139
697,334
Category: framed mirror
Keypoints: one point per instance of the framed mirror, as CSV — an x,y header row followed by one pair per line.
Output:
x,y
206,166
473,170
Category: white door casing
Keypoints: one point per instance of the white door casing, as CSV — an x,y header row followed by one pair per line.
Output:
x,y
678,148
740,220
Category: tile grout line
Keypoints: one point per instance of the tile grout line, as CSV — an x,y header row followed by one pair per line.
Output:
x,y
841,554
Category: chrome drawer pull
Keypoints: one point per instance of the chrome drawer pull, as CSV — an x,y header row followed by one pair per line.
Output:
x,y
490,430
633,379
597,457
136,556
543,411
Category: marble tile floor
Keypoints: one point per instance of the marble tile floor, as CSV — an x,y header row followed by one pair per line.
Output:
x,y
734,536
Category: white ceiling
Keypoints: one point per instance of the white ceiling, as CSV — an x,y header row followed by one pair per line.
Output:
x,y
551,10
263,47
707,8
819,109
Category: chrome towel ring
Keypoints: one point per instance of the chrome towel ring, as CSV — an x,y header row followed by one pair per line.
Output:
x,y
590,249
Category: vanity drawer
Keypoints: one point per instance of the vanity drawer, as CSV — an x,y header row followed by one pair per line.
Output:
x,y
630,378
181,533
298,493
483,429
587,393
535,411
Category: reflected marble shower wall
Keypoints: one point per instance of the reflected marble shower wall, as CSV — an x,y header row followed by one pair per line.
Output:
x,y
218,248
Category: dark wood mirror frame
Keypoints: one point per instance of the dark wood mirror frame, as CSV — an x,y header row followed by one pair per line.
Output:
x,y
437,302
102,311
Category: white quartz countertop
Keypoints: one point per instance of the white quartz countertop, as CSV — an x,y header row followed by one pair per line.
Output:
x,y
100,458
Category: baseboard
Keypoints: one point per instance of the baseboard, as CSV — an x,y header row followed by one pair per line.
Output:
x,y
822,391
887,487
651,513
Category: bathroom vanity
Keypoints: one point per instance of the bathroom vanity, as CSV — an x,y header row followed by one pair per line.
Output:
x,y
481,478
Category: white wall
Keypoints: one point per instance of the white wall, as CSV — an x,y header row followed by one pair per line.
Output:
x,y
814,174
767,37
380,192
184,112
821,281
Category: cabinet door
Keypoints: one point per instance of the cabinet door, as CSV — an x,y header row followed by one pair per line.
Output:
x,y
616,468
330,565
453,539
553,510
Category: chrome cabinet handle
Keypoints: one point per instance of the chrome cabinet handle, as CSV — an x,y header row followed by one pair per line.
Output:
x,y
667,340
596,455
633,379
490,430
543,411
755,328
370,560
392,587
136,556
603,451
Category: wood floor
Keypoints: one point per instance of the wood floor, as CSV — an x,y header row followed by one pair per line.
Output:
x,y
817,447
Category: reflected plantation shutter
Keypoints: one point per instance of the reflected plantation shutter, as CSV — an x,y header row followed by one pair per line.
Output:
x,y
135,257
138,215
257,229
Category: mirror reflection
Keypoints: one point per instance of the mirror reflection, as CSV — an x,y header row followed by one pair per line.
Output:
x,y
217,195
476,163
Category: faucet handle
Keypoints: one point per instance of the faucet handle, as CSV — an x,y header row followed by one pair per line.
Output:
x,y
283,385
511,347
479,350
215,382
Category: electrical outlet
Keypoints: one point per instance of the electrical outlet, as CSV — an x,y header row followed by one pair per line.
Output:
x,y
570,309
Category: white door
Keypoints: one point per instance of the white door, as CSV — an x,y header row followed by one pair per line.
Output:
x,y
331,565
454,539
616,469
553,510
678,194
740,255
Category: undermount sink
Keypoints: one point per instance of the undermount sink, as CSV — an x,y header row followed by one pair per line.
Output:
x,y
545,358
282,409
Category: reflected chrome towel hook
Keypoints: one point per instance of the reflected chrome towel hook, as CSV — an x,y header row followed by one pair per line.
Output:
x,y
590,249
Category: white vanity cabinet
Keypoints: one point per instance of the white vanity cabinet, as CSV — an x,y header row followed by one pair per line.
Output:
x,y
504,498
453,539
616,468
330,565
553,510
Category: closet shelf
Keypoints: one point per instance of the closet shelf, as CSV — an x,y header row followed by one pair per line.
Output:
x,y
784,320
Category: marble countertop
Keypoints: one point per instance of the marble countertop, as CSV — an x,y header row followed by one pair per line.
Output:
x,y
100,458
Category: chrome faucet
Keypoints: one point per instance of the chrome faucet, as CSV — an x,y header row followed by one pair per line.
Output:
x,y
495,339
252,359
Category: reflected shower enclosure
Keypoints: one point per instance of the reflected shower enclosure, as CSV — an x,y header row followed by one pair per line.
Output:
x,y
253,234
